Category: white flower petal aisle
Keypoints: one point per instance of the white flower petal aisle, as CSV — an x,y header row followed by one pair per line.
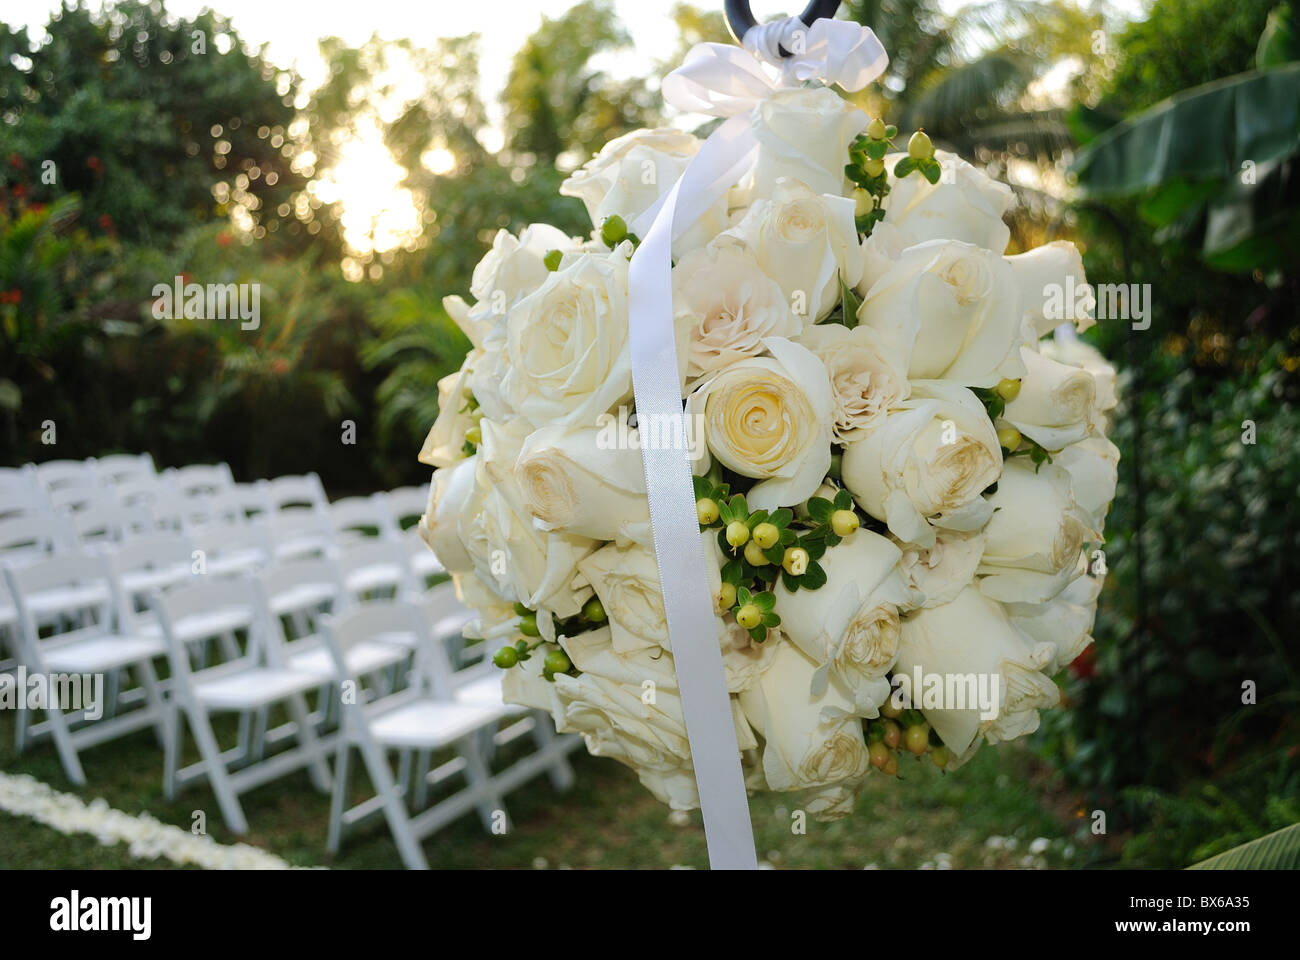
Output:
x,y
900,484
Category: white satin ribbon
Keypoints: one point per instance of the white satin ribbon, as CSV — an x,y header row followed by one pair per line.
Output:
x,y
721,81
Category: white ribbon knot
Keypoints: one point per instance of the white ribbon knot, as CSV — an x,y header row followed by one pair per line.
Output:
x,y
721,81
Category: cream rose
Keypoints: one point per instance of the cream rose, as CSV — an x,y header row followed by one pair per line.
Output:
x,y
632,172
1065,621
1093,465
988,672
567,344
769,418
445,443
804,134
809,741
726,305
805,242
1074,352
952,311
927,463
849,626
508,552
1056,404
1036,535
964,205
1057,264
936,574
450,492
575,482
867,379
626,579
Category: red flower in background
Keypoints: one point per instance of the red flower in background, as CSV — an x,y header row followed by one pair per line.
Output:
x,y
16,161
224,239
11,296
94,163
20,190
37,208
1085,664
279,366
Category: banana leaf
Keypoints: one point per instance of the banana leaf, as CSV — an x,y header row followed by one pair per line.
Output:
x,y
1276,851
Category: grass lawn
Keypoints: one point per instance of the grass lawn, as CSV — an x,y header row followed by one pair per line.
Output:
x,y
987,814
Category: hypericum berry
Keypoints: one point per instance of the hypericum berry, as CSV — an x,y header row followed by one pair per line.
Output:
x,y
593,610
863,202
796,561
766,534
876,129
844,522
891,768
893,735
521,610
749,616
916,739
706,508
874,167
737,533
754,555
941,756
727,596
1009,438
879,754
506,657
920,147
474,435
613,230
557,661
1008,389
528,625
888,708
552,260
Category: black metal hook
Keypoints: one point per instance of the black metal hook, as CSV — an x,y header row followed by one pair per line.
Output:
x,y
740,19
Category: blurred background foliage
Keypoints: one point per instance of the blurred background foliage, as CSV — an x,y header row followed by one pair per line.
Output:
x,y
220,167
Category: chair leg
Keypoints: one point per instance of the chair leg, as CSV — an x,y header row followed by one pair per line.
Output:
x,y
318,768
218,776
63,741
394,811
171,751
560,771
338,795
423,760
480,780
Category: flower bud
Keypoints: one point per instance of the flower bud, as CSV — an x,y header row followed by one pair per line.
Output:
x,y
916,739
879,754
919,146
893,735
876,129
528,625
874,168
613,230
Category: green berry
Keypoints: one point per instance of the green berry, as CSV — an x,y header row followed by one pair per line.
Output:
x,y
706,508
891,768
879,754
876,129
873,167
844,522
766,535
557,661
916,739
613,230
754,555
593,610
521,610
552,260
749,616
920,147
796,561
893,735
474,435
863,202
887,709
941,756
506,657
737,533
727,596
1008,389
1009,438
528,625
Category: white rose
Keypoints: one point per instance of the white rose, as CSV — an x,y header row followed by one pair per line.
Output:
x,y
769,418
1034,539
809,741
576,482
632,172
804,133
567,343
449,495
626,579
1093,465
867,379
952,311
929,461
964,205
445,442
849,626
805,242
1074,352
972,647
936,574
1065,621
726,305
833,802
745,659
1056,404
1045,269
509,553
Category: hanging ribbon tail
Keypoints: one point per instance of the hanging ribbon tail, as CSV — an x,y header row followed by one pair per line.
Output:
x,y
679,549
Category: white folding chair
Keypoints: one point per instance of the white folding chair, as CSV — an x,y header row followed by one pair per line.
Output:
x,y
23,539
240,503
200,479
180,514
297,493
423,562
85,642
53,474
140,491
424,717
156,561
374,567
248,686
355,518
406,505
78,497
118,468
234,548
107,522
299,533
20,496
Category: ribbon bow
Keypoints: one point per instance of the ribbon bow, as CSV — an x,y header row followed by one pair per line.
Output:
x,y
722,81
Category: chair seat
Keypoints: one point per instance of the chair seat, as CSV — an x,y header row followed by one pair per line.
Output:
x,y
254,687
102,654
486,689
304,546
142,581
200,626
429,723
46,603
302,596
369,578
236,561
362,658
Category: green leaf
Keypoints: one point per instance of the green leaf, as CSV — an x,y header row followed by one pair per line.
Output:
x,y
904,167
702,486
781,518
931,171
788,537
850,302
775,553
743,596
820,509
1276,851
876,149
757,517
759,633
765,601
771,620
815,576
843,501
733,572
789,582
